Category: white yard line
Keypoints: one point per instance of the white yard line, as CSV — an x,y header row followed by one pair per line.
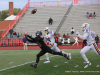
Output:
x,y
56,66
25,63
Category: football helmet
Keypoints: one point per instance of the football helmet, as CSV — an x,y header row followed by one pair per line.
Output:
x,y
85,26
47,30
38,33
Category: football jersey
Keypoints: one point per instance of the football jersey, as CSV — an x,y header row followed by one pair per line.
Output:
x,y
50,37
91,36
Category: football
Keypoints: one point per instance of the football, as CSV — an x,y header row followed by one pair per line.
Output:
x,y
33,11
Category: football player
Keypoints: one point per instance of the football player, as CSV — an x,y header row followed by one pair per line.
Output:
x,y
44,48
91,44
49,37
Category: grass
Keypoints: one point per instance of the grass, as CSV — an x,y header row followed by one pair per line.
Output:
x,y
18,63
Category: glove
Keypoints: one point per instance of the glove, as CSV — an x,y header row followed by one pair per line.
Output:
x,y
59,37
77,32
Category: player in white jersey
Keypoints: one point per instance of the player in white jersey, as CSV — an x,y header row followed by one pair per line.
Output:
x,y
49,37
91,44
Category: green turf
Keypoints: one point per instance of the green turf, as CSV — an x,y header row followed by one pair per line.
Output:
x,y
75,66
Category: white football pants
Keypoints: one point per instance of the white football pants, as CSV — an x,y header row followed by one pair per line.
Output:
x,y
56,49
93,46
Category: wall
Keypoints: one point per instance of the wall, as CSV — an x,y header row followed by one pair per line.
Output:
x,y
3,26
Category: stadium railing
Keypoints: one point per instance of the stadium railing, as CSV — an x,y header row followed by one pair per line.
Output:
x,y
63,3
65,16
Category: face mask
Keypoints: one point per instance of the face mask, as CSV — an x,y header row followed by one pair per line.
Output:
x,y
46,32
83,28
37,34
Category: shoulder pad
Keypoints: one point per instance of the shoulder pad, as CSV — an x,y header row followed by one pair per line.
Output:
x,y
86,30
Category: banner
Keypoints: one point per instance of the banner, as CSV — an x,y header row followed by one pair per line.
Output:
x,y
11,42
19,42
68,41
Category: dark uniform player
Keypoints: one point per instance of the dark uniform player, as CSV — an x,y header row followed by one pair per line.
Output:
x,y
44,48
84,43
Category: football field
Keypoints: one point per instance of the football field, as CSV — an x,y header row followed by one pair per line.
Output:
x,y
17,62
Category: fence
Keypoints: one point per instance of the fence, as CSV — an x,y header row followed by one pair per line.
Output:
x,y
63,3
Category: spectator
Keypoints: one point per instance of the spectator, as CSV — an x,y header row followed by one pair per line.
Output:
x,y
50,21
67,36
14,34
24,43
25,33
72,30
18,35
94,15
11,33
64,36
87,15
21,32
84,43
97,39
90,16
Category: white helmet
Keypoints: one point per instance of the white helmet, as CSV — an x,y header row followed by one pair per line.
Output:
x,y
47,30
85,26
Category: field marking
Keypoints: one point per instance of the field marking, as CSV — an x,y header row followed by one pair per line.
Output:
x,y
65,62
97,65
29,62
11,62
76,66
82,71
25,63
56,66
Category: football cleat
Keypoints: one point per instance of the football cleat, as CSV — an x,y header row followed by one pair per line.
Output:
x,y
65,55
87,64
47,61
69,54
33,65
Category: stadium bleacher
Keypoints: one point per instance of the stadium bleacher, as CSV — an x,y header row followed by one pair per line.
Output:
x,y
38,21
77,17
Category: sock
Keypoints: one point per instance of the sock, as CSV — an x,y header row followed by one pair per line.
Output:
x,y
65,55
36,63
64,52
47,56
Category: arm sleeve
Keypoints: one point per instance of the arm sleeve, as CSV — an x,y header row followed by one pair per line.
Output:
x,y
84,36
35,39
30,39
52,33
